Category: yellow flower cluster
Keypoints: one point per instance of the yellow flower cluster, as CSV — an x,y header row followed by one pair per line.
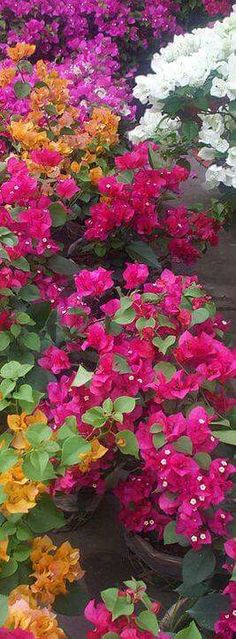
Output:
x,y
52,567
24,613
21,493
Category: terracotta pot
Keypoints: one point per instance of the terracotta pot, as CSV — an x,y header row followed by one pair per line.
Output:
x,y
169,566
78,507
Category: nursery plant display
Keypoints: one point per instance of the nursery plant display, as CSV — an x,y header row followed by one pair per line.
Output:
x,y
109,360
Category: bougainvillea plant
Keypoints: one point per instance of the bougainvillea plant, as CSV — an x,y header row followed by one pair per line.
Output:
x,y
112,366
192,98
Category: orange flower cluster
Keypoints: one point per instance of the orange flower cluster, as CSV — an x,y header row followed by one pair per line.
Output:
x,y
52,123
23,612
97,451
20,50
52,568
19,424
21,493
6,76
3,550
103,126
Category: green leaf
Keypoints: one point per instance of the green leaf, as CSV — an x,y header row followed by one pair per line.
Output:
x,y
3,404
142,252
73,603
4,340
207,610
14,370
109,597
203,459
151,297
73,448
127,443
66,130
111,635
146,620
156,428
199,316
15,330
58,214
37,467
191,632
193,291
32,341
25,65
29,293
107,406
226,436
50,109
121,365
198,565
166,368
124,404
193,592
183,445
41,313
69,428
155,158
171,536
82,377
125,176
158,440
22,264
62,265
6,387
22,553
22,89
29,406
23,533
9,568
94,417
37,433
125,316
24,318
24,392
122,608
164,344
3,609
190,130
7,459
163,320
143,322
45,516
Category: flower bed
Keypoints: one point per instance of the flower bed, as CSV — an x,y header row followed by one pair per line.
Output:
x,y
104,362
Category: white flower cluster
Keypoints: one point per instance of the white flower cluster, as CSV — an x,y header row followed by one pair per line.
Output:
x,y
188,62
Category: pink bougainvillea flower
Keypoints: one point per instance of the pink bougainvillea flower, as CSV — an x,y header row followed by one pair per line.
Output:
x,y
230,548
135,275
17,633
93,282
54,359
67,188
46,157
